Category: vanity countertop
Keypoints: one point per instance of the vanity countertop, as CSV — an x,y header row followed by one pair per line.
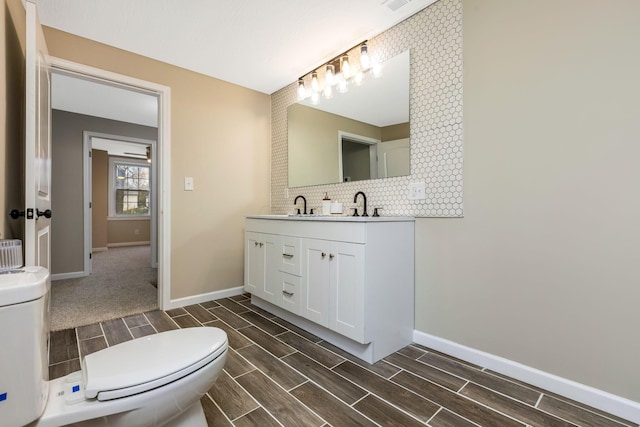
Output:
x,y
334,218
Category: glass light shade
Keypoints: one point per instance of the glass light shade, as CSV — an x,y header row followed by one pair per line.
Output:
x,y
329,75
315,98
345,67
302,91
315,84
365,61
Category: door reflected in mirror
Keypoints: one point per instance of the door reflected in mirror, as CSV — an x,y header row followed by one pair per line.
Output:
x,y
358,135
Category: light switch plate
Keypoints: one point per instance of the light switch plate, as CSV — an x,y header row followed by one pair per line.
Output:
x,y
417,191
188,183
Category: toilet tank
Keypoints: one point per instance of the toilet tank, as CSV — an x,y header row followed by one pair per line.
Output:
x,y
24,348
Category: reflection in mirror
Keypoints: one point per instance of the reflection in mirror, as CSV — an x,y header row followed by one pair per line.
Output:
x,y
358,135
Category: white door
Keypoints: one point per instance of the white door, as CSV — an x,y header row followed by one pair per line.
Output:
x,y
393,158
37,144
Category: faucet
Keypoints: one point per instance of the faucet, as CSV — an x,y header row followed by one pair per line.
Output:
x,y
364,198
305,203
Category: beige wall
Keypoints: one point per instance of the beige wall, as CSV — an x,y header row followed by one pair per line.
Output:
x,y
99,198
315,133
67,229
220,136
12,39
543,268
393,132
130,231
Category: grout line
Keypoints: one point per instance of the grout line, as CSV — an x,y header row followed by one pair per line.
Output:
x,y
538,401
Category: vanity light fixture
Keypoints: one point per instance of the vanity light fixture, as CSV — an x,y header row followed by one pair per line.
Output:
x,y
338,73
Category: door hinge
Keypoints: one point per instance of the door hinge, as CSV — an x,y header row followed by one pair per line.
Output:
x,y
89,153
89,205
90,254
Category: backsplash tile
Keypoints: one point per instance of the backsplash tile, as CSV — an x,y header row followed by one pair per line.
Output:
x,y
434,38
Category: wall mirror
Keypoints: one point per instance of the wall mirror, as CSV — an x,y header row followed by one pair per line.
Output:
x,y
358,135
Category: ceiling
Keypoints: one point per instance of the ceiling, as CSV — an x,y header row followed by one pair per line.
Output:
x,y
258,44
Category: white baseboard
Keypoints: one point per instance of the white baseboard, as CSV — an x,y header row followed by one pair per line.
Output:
x,y
616,405
118,245
94,250
197,299
72,275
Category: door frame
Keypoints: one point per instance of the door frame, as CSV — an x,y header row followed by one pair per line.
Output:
x,y
163,155
87,146
372,143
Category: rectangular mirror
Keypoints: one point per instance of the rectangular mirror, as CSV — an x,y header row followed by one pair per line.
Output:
x,y
358,135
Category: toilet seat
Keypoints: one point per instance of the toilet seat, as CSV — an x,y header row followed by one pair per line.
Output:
x,y
146,363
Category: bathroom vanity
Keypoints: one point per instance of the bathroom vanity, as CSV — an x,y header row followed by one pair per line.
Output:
x,y
348,280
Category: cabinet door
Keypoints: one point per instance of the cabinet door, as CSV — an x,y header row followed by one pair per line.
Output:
x,y
314,292
271,259
346,315
253,264
261,262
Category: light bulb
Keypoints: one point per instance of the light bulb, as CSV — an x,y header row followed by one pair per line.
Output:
x,y
365,62
315,84
302,91
329,76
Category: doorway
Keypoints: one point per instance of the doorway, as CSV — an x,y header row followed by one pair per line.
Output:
x,y
161,156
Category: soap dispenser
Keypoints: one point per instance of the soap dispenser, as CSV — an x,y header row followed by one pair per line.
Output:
x,y
326,205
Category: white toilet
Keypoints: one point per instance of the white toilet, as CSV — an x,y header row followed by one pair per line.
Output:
x,y
156,380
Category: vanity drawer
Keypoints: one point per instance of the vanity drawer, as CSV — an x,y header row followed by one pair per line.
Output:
x,y
287,293
289,258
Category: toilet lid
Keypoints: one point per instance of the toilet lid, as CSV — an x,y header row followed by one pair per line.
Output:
x,y
149,362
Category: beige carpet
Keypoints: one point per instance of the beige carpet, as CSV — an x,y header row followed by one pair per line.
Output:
x,y
121,284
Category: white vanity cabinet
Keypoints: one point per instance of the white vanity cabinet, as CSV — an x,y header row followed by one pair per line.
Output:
x,y
347,280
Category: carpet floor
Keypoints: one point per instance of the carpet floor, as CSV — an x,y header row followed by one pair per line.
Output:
x,y
122,283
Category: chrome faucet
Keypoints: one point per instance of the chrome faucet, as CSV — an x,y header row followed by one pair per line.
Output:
x,y
295,202
364,198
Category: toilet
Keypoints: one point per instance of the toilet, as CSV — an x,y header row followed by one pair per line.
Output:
x,y
156,380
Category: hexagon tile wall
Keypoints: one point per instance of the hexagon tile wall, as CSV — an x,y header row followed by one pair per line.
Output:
x,y
434,38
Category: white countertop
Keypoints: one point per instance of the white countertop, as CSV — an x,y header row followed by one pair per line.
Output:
x,y
334,218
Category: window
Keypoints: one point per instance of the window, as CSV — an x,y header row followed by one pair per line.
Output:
x,y
131,188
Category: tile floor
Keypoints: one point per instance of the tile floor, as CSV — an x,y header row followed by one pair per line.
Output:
x,y
277,374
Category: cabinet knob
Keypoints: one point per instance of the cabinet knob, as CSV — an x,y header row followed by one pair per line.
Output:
x,y
331,256
323,255
261,244
255,243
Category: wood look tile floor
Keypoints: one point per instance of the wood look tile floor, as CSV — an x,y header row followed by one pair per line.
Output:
x,y
279,375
